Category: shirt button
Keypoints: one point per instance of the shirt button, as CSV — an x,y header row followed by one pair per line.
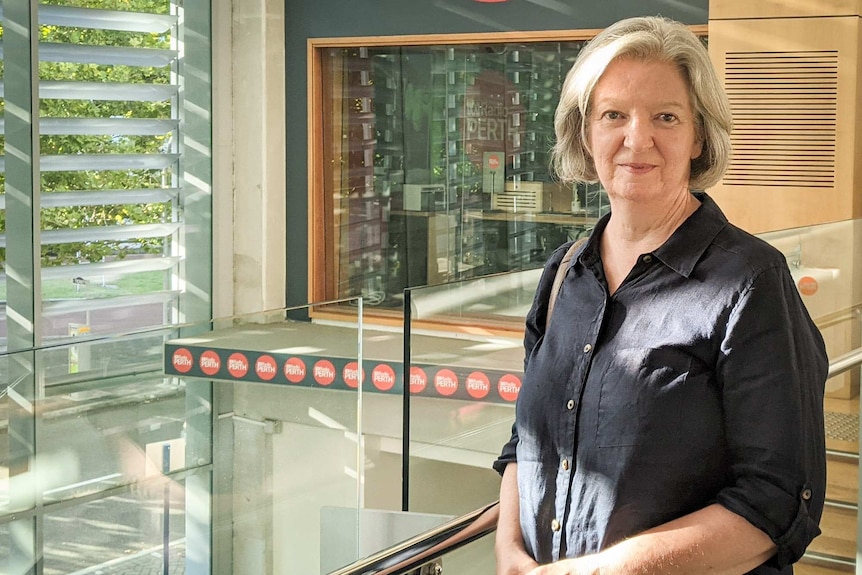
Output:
x,y
587,348
555,525
647,259
806,494
565,465
570,404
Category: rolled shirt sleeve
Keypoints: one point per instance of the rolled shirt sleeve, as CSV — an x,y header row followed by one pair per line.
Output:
x,y
772,371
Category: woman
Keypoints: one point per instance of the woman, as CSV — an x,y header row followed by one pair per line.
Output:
x,y
670,417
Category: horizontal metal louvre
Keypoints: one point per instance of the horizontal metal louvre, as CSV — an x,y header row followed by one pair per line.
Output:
x,y
73,16
49,89
785,118
102,126
102,197
100,233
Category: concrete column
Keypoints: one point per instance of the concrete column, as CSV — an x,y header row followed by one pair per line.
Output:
x,y
249,125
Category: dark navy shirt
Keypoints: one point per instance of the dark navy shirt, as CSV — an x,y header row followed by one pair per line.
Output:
x,y
699,381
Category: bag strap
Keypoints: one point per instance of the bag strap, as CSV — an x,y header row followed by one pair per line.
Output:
x,y
561,274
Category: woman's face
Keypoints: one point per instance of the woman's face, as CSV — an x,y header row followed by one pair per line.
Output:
x,y
641,131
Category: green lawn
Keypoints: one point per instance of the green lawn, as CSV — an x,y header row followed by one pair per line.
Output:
x,y
132,284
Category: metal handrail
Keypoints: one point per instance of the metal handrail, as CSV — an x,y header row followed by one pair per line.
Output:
x,y
425,547
845,362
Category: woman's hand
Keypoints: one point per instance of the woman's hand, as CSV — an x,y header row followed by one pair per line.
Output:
x,y
514,561
583,566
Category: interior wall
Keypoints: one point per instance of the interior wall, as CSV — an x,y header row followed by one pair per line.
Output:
x,y
342,18
248,51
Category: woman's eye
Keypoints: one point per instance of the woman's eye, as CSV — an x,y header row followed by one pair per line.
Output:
x,y
612,115
667,117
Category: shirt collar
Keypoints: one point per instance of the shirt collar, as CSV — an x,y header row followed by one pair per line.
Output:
x,y
686,245
683,249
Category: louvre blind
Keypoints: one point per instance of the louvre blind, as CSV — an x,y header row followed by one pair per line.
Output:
x,y
108,136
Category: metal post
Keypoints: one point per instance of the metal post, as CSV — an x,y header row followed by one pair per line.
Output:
x,y
166,519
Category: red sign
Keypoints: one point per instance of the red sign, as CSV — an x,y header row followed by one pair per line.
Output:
x,y
324,372
807,285
210,362
237,365
383,377
350,374
477,385
266,367
182,360
418,379
294,370
508,387
446,382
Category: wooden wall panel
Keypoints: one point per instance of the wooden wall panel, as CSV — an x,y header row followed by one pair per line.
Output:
x,y
738,9
793,86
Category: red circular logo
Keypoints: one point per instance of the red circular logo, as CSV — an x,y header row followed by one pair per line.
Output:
x,y
478,385
418,380
446,382
237,365
294,370
266,367
383,377
182,360
508,387
210,362
807,285
493,161
324,372
350,374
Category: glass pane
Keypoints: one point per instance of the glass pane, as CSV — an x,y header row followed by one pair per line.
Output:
x,y
107,173
128,533
822,264
3,257
107,410
289,460
17,433
463,390
440,165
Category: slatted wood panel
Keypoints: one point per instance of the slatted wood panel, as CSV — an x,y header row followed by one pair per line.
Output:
x,y
785,114
794,87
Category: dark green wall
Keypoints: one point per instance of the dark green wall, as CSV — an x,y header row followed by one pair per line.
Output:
x,y
335,18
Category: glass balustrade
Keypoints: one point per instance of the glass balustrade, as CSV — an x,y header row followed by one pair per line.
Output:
x,y
463,387
247,444
218,447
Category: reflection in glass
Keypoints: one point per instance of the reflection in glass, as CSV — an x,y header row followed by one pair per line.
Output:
x,y
438,165
127,533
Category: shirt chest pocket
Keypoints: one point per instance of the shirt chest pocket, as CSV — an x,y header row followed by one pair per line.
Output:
x,y
641,397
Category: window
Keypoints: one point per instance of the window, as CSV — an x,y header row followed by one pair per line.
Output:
x,y
435,166
106,196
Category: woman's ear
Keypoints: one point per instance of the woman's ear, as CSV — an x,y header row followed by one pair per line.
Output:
x,y
696,149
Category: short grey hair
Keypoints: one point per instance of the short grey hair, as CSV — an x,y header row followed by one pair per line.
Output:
x,y
647,38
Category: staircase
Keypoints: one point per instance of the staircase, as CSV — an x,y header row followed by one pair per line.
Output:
x,y
834,551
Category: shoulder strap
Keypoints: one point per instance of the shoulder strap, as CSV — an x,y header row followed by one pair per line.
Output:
x,y
561,273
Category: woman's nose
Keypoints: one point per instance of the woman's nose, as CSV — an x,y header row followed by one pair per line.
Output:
x,y
639,134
